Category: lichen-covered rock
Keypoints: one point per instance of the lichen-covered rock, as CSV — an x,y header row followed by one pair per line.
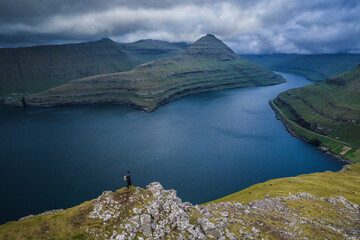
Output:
x,y
155,213
145,222
209,228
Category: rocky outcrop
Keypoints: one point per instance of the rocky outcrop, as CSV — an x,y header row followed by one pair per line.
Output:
x,y
160,214
155,213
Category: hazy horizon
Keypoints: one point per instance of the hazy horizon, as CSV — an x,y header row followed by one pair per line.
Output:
x,y
77,42
248,27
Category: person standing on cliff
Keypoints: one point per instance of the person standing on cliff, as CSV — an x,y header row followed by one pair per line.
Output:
x,y
128,179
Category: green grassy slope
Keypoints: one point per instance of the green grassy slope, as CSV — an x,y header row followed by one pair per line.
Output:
x,y
72,222
330,108
325,184
35,69
315,67
206,65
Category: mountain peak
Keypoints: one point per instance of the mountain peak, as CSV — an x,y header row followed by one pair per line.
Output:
x,y
210,46
106,39
209,35
209,38
102,41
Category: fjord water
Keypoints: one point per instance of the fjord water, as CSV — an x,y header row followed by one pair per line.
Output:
x,y
205,146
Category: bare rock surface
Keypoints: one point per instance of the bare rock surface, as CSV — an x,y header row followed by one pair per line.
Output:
x,y
156,213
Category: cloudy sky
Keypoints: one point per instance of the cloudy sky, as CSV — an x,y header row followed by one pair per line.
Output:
x,y
247,26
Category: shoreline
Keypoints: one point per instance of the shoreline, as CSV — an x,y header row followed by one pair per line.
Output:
x,y
321,148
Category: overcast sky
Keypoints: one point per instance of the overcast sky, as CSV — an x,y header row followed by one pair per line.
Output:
x,y
247,26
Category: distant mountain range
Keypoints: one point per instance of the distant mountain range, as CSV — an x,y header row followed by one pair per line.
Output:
x,y
208,64
29,70
34,69
330,108
316,67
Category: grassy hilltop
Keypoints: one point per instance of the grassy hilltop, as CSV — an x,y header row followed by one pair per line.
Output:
x,y
326,113
314,67
34,69
312,206
206,65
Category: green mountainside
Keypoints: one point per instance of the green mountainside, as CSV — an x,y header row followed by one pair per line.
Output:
x,y
316,67
34,69
206,65
148,50
326,113
312,206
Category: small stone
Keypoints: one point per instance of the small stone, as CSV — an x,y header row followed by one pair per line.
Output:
x,y
224,214
213,233
145,221
137,210
120,237
231,236
209,228
132,236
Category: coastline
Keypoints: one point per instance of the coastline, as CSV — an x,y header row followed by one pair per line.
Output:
x,y
322,148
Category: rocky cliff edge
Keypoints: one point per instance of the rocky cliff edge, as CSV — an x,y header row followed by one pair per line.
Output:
x,y
156,213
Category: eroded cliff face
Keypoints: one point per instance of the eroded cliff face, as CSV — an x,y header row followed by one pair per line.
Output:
x,y
206,65
156,213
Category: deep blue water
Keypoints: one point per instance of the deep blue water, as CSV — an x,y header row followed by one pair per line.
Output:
x,y
205,146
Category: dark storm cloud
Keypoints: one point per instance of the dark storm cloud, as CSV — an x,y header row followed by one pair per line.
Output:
x,y
248,26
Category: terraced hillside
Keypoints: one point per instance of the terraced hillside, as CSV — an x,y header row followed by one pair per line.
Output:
x,y
319,206
34,69
206,65
314,67
330,108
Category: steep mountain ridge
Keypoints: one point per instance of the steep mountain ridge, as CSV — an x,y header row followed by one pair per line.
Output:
x,y
209,47
34,69
330,108
206,65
